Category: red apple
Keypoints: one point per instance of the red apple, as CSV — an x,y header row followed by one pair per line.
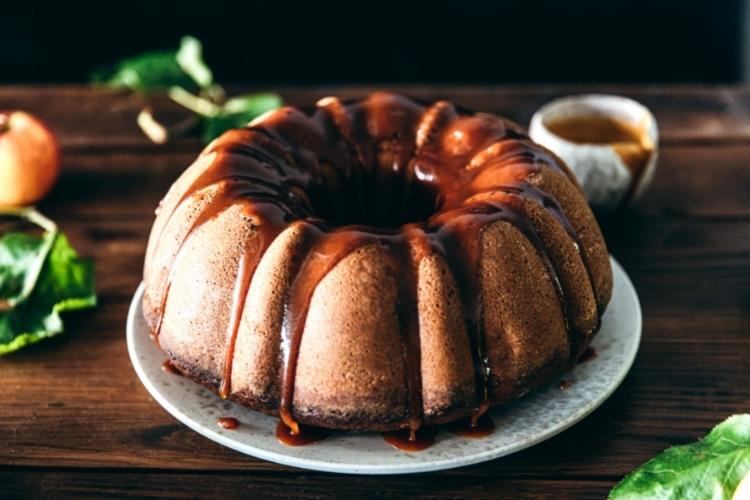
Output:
x,y
29,158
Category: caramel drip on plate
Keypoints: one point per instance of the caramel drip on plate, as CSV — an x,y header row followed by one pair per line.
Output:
x,y
406,440
304,436
228,423
473,428
168,367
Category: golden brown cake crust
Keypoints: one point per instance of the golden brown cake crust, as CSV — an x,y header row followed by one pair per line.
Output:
x,y
375,265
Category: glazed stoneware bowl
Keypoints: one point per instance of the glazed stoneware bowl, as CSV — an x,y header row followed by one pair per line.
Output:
x,y
605,178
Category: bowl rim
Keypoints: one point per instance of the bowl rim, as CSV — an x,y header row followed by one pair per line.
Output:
x,y
598,101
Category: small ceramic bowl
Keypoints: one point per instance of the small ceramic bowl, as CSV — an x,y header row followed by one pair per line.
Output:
x,y
605,178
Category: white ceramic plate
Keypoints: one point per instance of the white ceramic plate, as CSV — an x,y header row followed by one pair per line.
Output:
x,y
519,425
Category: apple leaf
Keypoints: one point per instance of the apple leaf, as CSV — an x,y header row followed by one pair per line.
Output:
x,y
185,78
160,70
40,277
22,256
148,72
190,59
708,469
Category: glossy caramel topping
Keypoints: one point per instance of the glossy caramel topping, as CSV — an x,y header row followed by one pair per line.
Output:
x,y
383,171
228,423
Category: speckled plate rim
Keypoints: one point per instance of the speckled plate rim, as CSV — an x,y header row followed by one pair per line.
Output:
x,y
455,451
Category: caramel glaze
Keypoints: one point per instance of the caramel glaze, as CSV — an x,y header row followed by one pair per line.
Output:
x,y
228,423
411,441
168,367
587,355
293,165
303,436
479,428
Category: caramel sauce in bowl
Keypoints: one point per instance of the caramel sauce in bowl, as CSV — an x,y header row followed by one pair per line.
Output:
x,y
609,142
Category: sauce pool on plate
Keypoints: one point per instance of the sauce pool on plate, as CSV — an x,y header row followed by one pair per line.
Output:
x,y
307,434
629,141
483,427
228,422
405,440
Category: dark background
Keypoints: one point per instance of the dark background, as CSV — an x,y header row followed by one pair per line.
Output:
x,y
459,41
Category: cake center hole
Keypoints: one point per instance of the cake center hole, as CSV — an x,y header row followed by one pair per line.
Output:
x,y
380,198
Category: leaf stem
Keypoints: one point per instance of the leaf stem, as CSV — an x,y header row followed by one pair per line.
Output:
x,y
32,215
153,129
199,105
160,133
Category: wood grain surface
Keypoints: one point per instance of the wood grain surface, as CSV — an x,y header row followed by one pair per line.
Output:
x,y
75,420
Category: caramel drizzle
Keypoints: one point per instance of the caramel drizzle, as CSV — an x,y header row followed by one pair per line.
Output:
x,y
463,240
525,163
326,250
525,158
522,191
233,188
266,171
534,194
249,260
462,236
236,158
413,245
394,146
356,166
241,173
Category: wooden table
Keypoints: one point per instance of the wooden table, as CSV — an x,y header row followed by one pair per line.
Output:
x,y
75,420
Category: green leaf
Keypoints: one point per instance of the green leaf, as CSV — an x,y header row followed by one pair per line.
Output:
x,y
708,469
153,71
22,256
238,112
190,59
160,70
251,104
19,254
188,81
64,282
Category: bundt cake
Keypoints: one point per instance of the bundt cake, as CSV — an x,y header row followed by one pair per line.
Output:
x,y
375,265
